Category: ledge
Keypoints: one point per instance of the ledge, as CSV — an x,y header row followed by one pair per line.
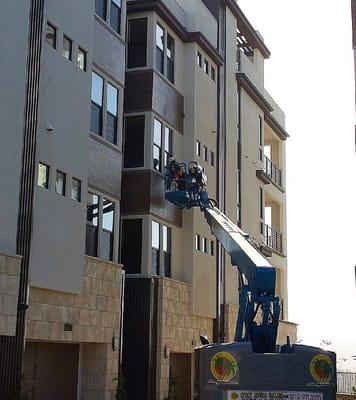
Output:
x,y
276,127
245,82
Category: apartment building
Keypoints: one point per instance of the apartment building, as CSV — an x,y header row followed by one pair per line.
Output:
x,y
62,95
194,90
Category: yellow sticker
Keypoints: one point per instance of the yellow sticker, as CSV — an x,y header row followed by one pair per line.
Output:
x,y
223,366
322,369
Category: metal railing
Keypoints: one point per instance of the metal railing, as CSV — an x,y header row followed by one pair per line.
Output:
x,y
273,238
272,171
346,382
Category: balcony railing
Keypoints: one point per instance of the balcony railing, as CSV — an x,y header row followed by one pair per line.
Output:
x,y
273,238
272,171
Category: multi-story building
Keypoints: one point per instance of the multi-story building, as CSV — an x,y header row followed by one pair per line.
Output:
x,y
195,91
61,135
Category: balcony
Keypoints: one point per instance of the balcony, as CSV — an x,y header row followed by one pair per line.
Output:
x,y
271,173
273,239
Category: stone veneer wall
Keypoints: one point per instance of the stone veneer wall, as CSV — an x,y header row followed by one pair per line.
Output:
x,y
230,311
285,329
9,288
177,329
95,318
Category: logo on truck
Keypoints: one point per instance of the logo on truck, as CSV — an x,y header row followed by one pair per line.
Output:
x,y
223,366
322,369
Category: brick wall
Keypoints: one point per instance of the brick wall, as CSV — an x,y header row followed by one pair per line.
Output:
x,y
9,288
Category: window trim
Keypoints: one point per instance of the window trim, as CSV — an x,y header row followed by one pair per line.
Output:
x,y
55,28
64,193
166,33
85,53
160,250
80,189
164,155
70,41
48,175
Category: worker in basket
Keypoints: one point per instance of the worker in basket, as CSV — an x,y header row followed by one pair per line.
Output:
x,y
197,176
176,174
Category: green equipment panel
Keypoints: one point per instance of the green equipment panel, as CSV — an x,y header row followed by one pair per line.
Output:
x,y
233,371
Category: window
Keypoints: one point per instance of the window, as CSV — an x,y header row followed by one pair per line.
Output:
x,y
212,247
76,190
205,245
205,153
161,249
157,144
213,73
155,248
206,66
131,245
111,113
43,176
166,247
197,148
115,15
159,48
107,236
61,183
100,227
212,158
51,35
197,242
168,137
67,48
97,109
134,141
96,116
262,206
260,137
170,58
100,8
82,59
199,59
91,245
137,43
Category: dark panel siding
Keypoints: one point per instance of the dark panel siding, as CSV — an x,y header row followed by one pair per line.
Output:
x,y
143,193
139,337
159,205
131,245
135,192
105,168
213,7
138,91
109,52
168,103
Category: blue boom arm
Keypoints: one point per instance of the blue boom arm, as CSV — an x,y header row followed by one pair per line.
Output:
x,y
259,308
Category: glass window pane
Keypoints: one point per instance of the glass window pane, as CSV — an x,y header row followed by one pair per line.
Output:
x,y
155,235
115,15
111,128
199,59
67,48
97,89
96,119
212,247
212,158
112,100
206,67
165,238
61,183
108,215
82,59
92,209
170,47
137,43
168,133
213,74
76,189
51,35
134,141
159,37
100,8
156,158
157,133
197,148
43,175
197,242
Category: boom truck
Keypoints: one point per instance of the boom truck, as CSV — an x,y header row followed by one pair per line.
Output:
x,y
253,367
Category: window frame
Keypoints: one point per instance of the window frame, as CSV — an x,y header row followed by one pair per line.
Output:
x,y
70,51
166,150
79,199
100,230
55,29
198,148
165,56
104,110
107,17
48,175
132,46
159,252
199,59
64,191
206,66
85,58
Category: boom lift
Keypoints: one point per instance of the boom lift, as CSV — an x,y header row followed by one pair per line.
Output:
x,y
253,367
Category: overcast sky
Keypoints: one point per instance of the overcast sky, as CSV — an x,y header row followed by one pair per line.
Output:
x,y
310,75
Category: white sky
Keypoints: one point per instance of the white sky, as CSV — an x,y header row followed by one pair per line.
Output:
x,y
310,75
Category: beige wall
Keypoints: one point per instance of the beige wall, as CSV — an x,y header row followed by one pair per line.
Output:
x,y
9,289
